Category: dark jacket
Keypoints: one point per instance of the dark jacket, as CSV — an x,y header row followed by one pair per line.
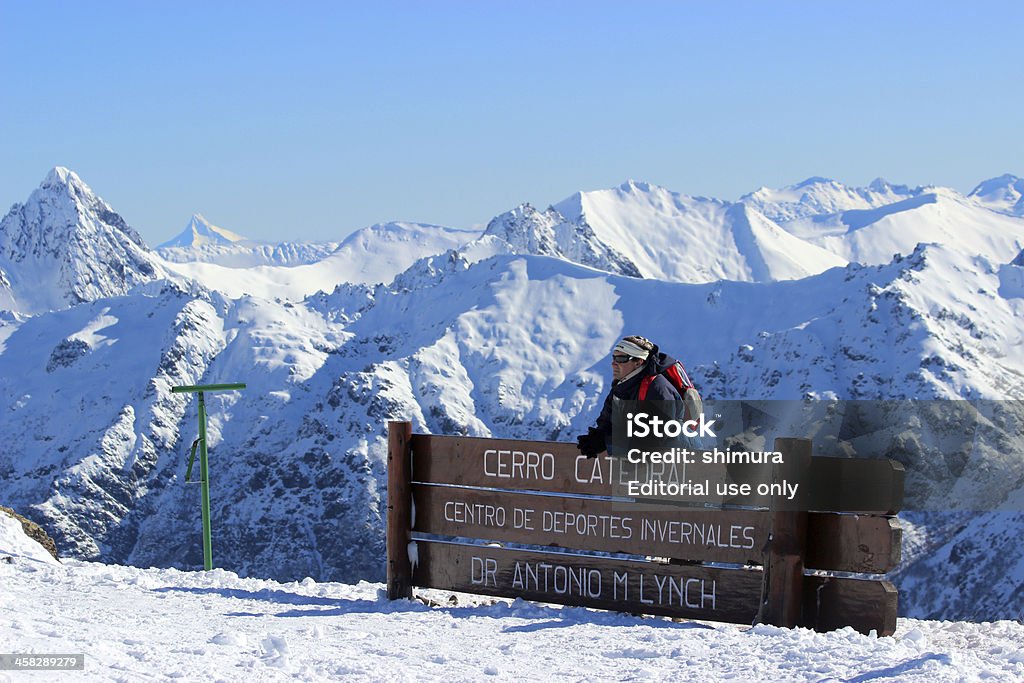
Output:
x,y
629,390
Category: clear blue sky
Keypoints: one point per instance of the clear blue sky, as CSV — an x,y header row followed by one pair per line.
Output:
x,y
307,120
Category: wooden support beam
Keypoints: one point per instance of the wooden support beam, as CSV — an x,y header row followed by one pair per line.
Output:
x,y
399,509
782,601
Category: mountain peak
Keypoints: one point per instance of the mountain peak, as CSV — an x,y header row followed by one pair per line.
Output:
x,y
200,232
1004,194
1001,183
816,180
882,186
526,228
550,233
819,196
59,175
66,245
633,185
65,181
1004,179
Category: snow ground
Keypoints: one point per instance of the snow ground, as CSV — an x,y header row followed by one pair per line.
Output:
x,y
155,624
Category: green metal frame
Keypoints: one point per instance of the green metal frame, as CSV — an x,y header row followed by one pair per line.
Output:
x,y
204,463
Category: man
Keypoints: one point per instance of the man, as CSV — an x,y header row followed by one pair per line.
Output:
x,y
633,359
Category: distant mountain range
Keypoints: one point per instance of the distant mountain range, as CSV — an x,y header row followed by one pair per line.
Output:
x,y
817,290
203,242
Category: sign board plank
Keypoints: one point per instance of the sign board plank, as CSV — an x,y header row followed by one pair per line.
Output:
x,y
856,485
865,544
833,484
853,543
506,464
637,587
693,592
733,536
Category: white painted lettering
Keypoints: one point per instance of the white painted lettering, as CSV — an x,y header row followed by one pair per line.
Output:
x,y
623,581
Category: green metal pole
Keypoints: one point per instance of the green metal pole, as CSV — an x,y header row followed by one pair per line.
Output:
x,y
204,461
204,472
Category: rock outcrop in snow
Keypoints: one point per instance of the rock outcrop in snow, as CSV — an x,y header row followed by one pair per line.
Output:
x,y
548,233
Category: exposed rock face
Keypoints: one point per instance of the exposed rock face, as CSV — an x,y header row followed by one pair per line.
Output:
x,y
33,531
548,233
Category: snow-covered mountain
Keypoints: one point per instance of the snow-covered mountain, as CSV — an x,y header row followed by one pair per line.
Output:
x,y
529,231
372,255
674,237
868,225
251,254
644,230
821,196
510,346
931,325
471,337
1004,193
65,246
204,242
937,215
201,233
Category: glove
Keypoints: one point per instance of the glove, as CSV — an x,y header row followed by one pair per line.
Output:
x,y
591,443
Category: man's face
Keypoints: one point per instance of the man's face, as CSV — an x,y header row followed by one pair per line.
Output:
x,y
622,365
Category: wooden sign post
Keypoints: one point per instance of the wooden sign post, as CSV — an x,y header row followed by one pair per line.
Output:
x,y
399,510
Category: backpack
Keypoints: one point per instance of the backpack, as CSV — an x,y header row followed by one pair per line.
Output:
x,y
675,373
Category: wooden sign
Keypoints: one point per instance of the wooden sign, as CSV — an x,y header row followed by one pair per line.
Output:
x,y
734,555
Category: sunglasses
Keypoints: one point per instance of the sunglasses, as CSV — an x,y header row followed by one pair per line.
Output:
x,y
619,359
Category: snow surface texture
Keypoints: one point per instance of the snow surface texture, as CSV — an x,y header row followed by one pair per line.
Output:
x,y
143,624
504,334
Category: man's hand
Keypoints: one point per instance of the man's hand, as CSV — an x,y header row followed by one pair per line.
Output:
x,y
591,443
